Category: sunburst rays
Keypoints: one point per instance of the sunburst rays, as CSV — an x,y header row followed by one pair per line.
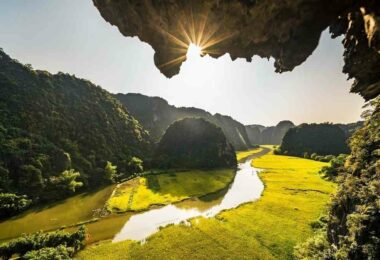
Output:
x,y
192,28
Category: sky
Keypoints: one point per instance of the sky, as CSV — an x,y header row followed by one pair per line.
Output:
x,y
71,36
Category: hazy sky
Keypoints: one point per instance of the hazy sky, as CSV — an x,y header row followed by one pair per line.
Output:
x,y
71,36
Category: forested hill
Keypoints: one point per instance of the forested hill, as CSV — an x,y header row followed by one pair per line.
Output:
x,y
57,132
156,114
322,139
259,134
193,143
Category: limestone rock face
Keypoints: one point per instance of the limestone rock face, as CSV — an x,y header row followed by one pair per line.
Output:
x,y
287,30
259,134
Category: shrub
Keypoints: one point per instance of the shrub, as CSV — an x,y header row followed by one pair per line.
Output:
x,y
43,242
336,165
47,253
277,151
316,247
135,165
110,172
11,204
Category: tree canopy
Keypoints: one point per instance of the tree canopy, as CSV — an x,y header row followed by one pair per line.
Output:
x,y
322,139
58,132
194,143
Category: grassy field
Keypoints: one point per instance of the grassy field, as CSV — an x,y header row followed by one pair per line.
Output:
x,y
241,155
294,196
143,192
67,212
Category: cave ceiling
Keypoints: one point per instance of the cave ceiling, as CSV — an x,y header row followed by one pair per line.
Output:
x,y
286,30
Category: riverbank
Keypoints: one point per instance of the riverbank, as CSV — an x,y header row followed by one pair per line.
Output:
x,y
71,211
157,190
294,196
149,191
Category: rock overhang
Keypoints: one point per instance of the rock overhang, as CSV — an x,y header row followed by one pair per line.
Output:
x,y
287,30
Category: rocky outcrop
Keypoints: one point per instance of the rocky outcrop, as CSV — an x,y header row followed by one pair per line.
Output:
x,y
254,133
288,31
156,114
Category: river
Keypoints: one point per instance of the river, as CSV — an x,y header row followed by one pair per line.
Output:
x,y
245,187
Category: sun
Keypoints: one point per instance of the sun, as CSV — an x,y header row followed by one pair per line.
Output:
x,y
194,51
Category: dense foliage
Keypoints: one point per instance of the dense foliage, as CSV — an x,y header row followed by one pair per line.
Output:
x,y
321,158
349,129
11,204
155,114
53,245
336,165
58,132
353,225
322,139
194,143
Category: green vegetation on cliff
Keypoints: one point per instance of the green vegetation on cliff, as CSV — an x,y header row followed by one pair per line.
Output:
x,y
353,224
194,143
322,139
58,132
155,114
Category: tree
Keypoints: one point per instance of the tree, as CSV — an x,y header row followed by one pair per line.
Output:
x,y
110,172
336,165
67,181
135,165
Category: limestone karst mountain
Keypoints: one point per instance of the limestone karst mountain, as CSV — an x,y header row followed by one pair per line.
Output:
x,y
57,131
259,134
194,143
156,114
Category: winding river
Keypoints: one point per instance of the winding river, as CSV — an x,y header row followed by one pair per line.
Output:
x,y
245,187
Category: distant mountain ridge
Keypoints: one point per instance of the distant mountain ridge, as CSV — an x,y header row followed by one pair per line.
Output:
x,y
259,134
156,115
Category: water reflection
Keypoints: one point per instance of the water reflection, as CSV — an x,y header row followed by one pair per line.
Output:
x,y
246,187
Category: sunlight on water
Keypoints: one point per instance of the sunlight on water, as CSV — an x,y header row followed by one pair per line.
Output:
x,y
246,187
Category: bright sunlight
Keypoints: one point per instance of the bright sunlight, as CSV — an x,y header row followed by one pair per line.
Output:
x,y
194,51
